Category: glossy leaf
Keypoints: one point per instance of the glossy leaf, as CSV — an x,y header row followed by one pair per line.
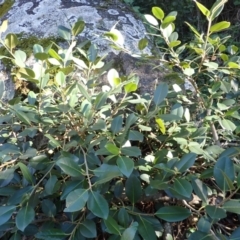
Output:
x,y
160,93
133,189
116,124
4,26
24,217
186,162
173,213
224,173
126,165
220,26
130,232
152,20
6,213
203,9
76,200
98,205
183,188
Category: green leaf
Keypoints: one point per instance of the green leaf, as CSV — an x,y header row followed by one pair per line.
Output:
x,y
146,230
116,124
98,205
204,225
177,109
41,56
6,213
64,33
142,44
193,29
112,226
167,20
182,187
185,162
220,26
131,119
174,44
60,79
113,77
123,217
51,234
224,173
26,173
22,116
100,100
160,93
88,229
232,206
106,172
189,71
135,136
131,151
203,9
173,213
112,148
235,235
50,185
78,27
200,189
133,189
20,58
130,232
70,167
92,53
2,89
227,125
11,41
24,217
49,208
53,141
4,26
215,212
126,165
158,13
217,8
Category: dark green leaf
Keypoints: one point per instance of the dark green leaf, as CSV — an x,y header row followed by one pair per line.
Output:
x,y
173,213
50,185
49,208
100,100
26,173
123,217
160,93
24,217
235,235
116,124
204,225
98,205
232,206
112,225
88,229
51,234
215,212
126,165
131,151
131,119
224,173
186,162
69,167
182,187
92,53
76,200
64,32
133,188
200,189
146,230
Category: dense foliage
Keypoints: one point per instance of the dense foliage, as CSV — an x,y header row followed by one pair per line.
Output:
x,y
86,160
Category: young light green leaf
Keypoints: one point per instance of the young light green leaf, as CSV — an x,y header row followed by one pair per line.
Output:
x,y
130,87
227,125
98,205
220,26
78,27
203,9
173,213
158,13
217,8
24,217
60,79
20,58
113,149
142,44
161,125
4,26
11,41
113,77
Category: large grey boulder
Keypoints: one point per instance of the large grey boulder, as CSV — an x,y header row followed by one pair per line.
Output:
x,y
42,18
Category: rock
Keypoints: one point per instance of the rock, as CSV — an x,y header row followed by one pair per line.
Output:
x,y
2,2
41,18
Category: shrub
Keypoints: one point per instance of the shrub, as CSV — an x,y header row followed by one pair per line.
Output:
x,y
83,161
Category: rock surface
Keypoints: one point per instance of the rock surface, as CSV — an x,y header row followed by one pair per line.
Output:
x,y
42,18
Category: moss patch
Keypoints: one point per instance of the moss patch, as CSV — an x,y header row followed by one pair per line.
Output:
x,y
4,8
